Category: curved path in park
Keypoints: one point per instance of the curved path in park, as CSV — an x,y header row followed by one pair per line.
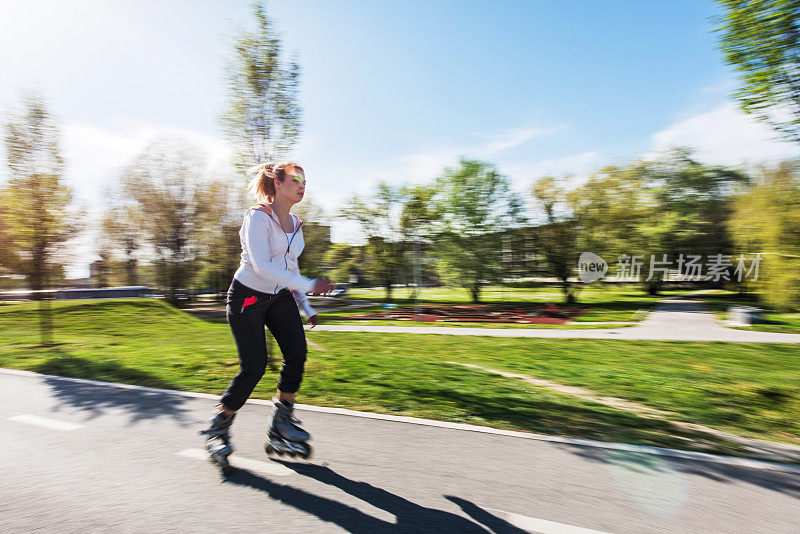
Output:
x,y
672,320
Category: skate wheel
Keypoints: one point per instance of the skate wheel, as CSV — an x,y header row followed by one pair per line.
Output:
x,y
226,467
222,462
269,449
306,451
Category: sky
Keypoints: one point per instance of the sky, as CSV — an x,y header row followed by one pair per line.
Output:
x,y
390,90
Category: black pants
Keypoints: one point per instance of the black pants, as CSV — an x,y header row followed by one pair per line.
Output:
x,y
248,311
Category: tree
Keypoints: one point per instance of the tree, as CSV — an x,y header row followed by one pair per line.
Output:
x,y
217,232
385,249
761,40
164,183
7,253
417,219
317,237
766,221
344,261
670,205
38,217
609,207
120,235
262,119
418,212
557,237
473,201
697,198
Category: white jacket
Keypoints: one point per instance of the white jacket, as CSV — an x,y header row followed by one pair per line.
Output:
x,y
269,256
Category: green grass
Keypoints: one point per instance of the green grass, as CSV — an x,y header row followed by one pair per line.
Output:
x,y
720,301
750,390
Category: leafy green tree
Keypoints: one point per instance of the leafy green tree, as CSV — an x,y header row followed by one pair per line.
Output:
x,y
7,253
671,205
418,213
317,237
761,39
164,183
417,221
38,216
698,197
471,202
385,258
766,221
557,237
120,237
263,116
344,261
609,207
688,205
218,220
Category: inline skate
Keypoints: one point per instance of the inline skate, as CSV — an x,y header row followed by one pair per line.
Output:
x,y
285,436
218,440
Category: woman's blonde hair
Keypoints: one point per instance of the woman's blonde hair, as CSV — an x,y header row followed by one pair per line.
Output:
x,y
262,186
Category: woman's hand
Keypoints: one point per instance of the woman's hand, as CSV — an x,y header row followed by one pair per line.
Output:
x,y
313,320
322,286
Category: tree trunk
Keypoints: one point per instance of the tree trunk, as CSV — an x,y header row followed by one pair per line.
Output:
x,y
45,321
130,272
388,287
38,282
475,291
652,287
569,296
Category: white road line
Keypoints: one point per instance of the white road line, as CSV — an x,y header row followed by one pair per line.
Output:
x,y
45,422
265,468
646,449
542,526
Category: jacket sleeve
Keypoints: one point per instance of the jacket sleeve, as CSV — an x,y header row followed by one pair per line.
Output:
x,y
259,251
302,302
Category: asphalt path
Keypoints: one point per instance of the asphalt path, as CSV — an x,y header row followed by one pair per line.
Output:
x,y
82,457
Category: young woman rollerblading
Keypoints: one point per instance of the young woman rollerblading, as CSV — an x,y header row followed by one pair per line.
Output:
x,y
268,290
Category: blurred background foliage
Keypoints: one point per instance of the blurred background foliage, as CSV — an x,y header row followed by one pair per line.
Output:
x,y
168,225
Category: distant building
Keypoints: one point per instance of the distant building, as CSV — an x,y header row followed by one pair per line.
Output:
x,y
519,253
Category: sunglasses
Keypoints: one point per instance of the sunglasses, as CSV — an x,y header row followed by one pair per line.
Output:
x,y
299,178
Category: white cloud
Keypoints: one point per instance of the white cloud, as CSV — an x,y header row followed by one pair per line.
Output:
x,y
94,155
424,165
514,139
725,135
577,165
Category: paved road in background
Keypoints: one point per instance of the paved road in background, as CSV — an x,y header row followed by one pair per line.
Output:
x,y
671,320
80,457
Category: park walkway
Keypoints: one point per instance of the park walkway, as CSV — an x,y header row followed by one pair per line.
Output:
x,y
673,319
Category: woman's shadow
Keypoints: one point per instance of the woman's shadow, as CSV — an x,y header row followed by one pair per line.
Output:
x,y
411,517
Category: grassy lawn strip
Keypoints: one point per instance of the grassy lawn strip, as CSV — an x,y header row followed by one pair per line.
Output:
x,y
747,389
750,390
720,302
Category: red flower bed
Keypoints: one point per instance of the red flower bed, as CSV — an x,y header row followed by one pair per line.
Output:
x,y
479,313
